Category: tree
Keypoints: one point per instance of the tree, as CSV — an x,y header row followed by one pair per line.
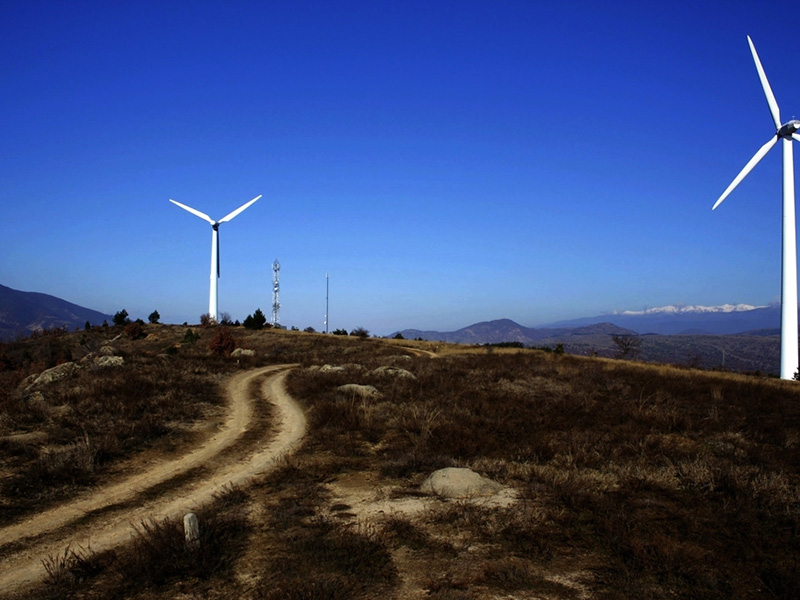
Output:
x,y
360,332
225,319
154,317
627,345
255,321
398,336
121,317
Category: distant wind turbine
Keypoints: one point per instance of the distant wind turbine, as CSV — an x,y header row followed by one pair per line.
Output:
x,y
213,298
785,132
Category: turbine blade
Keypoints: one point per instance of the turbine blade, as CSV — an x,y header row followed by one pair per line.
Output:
x,y
197,213
796,137
747,168
229,216
773,105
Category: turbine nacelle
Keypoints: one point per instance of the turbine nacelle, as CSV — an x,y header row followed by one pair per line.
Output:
x,y
789,128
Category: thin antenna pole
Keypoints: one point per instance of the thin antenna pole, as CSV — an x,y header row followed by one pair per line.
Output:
x,y
327,288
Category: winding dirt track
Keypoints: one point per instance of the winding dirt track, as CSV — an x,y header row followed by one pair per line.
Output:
x,y
102,518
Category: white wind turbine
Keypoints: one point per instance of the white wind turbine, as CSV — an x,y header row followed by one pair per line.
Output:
x,y
784,132
213,298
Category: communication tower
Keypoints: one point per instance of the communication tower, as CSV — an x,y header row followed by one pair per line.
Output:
x,y
276,288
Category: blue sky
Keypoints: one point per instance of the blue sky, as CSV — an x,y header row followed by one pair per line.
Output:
x,y
445,162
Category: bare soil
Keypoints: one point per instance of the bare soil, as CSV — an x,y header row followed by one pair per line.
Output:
x,y
102,518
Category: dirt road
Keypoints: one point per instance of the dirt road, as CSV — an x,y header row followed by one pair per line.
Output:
x,y
102,518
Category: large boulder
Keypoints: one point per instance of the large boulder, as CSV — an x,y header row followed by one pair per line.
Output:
x,y
454,482
63,371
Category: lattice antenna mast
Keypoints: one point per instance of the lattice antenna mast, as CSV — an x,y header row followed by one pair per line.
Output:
x,y
276,288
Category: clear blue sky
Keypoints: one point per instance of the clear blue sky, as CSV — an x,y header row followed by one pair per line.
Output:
x,y
445,162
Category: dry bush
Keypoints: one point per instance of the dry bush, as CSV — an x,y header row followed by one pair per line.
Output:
x,y
326,559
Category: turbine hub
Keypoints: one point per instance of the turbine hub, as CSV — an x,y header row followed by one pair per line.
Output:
x,y
788,128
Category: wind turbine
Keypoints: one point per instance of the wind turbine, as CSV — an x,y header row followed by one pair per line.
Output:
x,y
213,298
785,132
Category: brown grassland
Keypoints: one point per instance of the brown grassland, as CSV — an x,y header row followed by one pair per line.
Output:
x,y
630,480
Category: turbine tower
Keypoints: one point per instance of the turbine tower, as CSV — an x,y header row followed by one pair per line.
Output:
x,y
276,288
213,298
785,132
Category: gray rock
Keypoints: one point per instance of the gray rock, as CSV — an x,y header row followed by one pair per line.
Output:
x,y
109,361
243,352
107,351
331,369
57,373
387,371
356,389
454,482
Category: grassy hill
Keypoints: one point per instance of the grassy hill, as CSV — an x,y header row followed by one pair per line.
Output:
x,y
629,479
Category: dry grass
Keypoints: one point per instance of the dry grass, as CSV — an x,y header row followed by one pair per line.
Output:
x,y
633,480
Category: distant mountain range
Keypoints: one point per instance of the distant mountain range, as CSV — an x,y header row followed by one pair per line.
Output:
x,y
667,320
506,330
735,337
22,313
678,319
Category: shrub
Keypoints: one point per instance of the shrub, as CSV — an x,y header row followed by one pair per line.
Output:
x,y
340,332
154,317
310,330
134,330
121,317
207,320
360,332
222,344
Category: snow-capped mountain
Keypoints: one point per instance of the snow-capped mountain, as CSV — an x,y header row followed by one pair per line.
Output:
x,y
674,319
681,309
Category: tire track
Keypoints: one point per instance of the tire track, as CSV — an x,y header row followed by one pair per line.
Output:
x,y
48,533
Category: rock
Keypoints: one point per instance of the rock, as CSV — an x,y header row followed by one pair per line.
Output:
x,y
109,361
243,352
387,371
454,482
356,389
330,369
107,351
57,373
398,358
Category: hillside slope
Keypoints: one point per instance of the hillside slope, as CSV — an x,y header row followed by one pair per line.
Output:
x,y
22,313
